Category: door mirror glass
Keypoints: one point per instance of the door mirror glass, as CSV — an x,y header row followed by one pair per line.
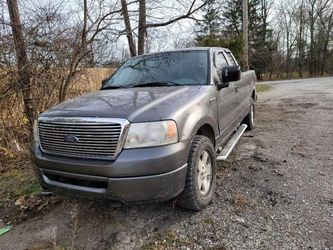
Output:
x,y
230,74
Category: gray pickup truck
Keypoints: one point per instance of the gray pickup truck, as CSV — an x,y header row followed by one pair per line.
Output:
x,y
153,132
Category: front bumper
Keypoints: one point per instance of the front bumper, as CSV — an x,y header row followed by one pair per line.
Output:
x,y
129,189
148,174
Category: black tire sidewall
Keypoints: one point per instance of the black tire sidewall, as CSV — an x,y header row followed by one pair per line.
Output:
x,y
248,118
191,198
253,106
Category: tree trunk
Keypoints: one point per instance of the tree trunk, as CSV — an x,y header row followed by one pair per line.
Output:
x,y
300,42
328,22
288,53
77,56
246,35
128,28
142,27
22,59
312,41
64,88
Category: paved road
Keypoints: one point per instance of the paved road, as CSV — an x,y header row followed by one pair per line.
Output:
x,y
274,192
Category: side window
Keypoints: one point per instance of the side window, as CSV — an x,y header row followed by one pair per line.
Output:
x,y
221,62
230,59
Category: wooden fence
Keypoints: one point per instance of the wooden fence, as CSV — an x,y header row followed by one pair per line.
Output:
x,y
91,78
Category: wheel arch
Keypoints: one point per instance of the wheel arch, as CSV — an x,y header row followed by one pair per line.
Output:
x,y
254,94
208,131
206,126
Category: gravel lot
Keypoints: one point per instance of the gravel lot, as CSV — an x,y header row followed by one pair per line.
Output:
x,y
274,192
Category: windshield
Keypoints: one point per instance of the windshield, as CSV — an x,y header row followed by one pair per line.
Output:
x,y
168,68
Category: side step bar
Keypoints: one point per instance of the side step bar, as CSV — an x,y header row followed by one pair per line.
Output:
x,y
232,143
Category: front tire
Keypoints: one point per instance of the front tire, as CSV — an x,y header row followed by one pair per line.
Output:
x,y
201,175
249,119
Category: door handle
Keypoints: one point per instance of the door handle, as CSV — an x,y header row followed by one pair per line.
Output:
x,y
236,90
212,100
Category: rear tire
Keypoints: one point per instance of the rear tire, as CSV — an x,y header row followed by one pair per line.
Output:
x,y
249,119
201,175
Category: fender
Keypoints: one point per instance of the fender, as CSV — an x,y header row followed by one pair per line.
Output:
x,y
194,122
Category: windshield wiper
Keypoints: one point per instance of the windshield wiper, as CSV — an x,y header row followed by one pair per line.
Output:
x,y
113,87
157,84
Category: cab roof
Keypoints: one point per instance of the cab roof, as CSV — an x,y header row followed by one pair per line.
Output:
x,y
188,49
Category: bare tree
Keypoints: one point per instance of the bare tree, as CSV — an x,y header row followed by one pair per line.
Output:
x,y
246,34
90,29
288,27
144,25
22,59
326,23
301,39
314,10
78,54
128,28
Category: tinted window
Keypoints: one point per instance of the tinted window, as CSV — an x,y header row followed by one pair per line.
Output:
x,y
181,67
221,62
231,60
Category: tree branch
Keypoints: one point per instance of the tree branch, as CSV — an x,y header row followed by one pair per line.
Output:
x,y
187,15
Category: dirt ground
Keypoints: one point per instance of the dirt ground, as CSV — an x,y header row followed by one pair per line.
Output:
x,y
274,192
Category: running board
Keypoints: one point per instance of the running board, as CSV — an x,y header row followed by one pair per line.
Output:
x,y
232,143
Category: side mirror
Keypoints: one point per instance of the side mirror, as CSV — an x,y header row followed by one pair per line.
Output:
x,y
218,81
231,74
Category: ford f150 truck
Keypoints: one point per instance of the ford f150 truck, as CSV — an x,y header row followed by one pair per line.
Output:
x,y
153,132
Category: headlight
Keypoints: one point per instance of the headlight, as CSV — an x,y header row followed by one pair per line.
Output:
x,y
36,136
150,134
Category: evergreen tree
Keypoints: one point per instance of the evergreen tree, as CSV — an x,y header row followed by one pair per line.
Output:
x,y
260,36
222,27
233,17
210,26
210,30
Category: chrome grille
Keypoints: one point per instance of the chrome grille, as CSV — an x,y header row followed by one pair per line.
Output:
x,y
81,137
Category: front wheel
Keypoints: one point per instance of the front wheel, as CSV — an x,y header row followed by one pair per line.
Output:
x,y
201,175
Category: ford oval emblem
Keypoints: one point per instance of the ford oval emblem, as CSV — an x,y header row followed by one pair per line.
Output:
x,y
71,138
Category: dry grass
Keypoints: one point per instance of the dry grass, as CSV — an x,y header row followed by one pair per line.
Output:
x,y
16,173
240,203
263,88
15,132
167,239
17,183
292,75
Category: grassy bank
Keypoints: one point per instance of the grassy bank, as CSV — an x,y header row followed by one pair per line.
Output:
x,y
17,183
263,88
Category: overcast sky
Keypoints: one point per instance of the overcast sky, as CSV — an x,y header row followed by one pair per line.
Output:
x,y
158,39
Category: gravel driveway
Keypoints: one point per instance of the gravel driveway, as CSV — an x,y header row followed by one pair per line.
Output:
x,y
274,192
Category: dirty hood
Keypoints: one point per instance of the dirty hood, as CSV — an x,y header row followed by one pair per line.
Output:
x,y
133,104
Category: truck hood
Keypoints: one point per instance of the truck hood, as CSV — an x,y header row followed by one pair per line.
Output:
x,y
133,104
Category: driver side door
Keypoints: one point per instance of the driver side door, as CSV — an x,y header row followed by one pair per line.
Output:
x,y
226,99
